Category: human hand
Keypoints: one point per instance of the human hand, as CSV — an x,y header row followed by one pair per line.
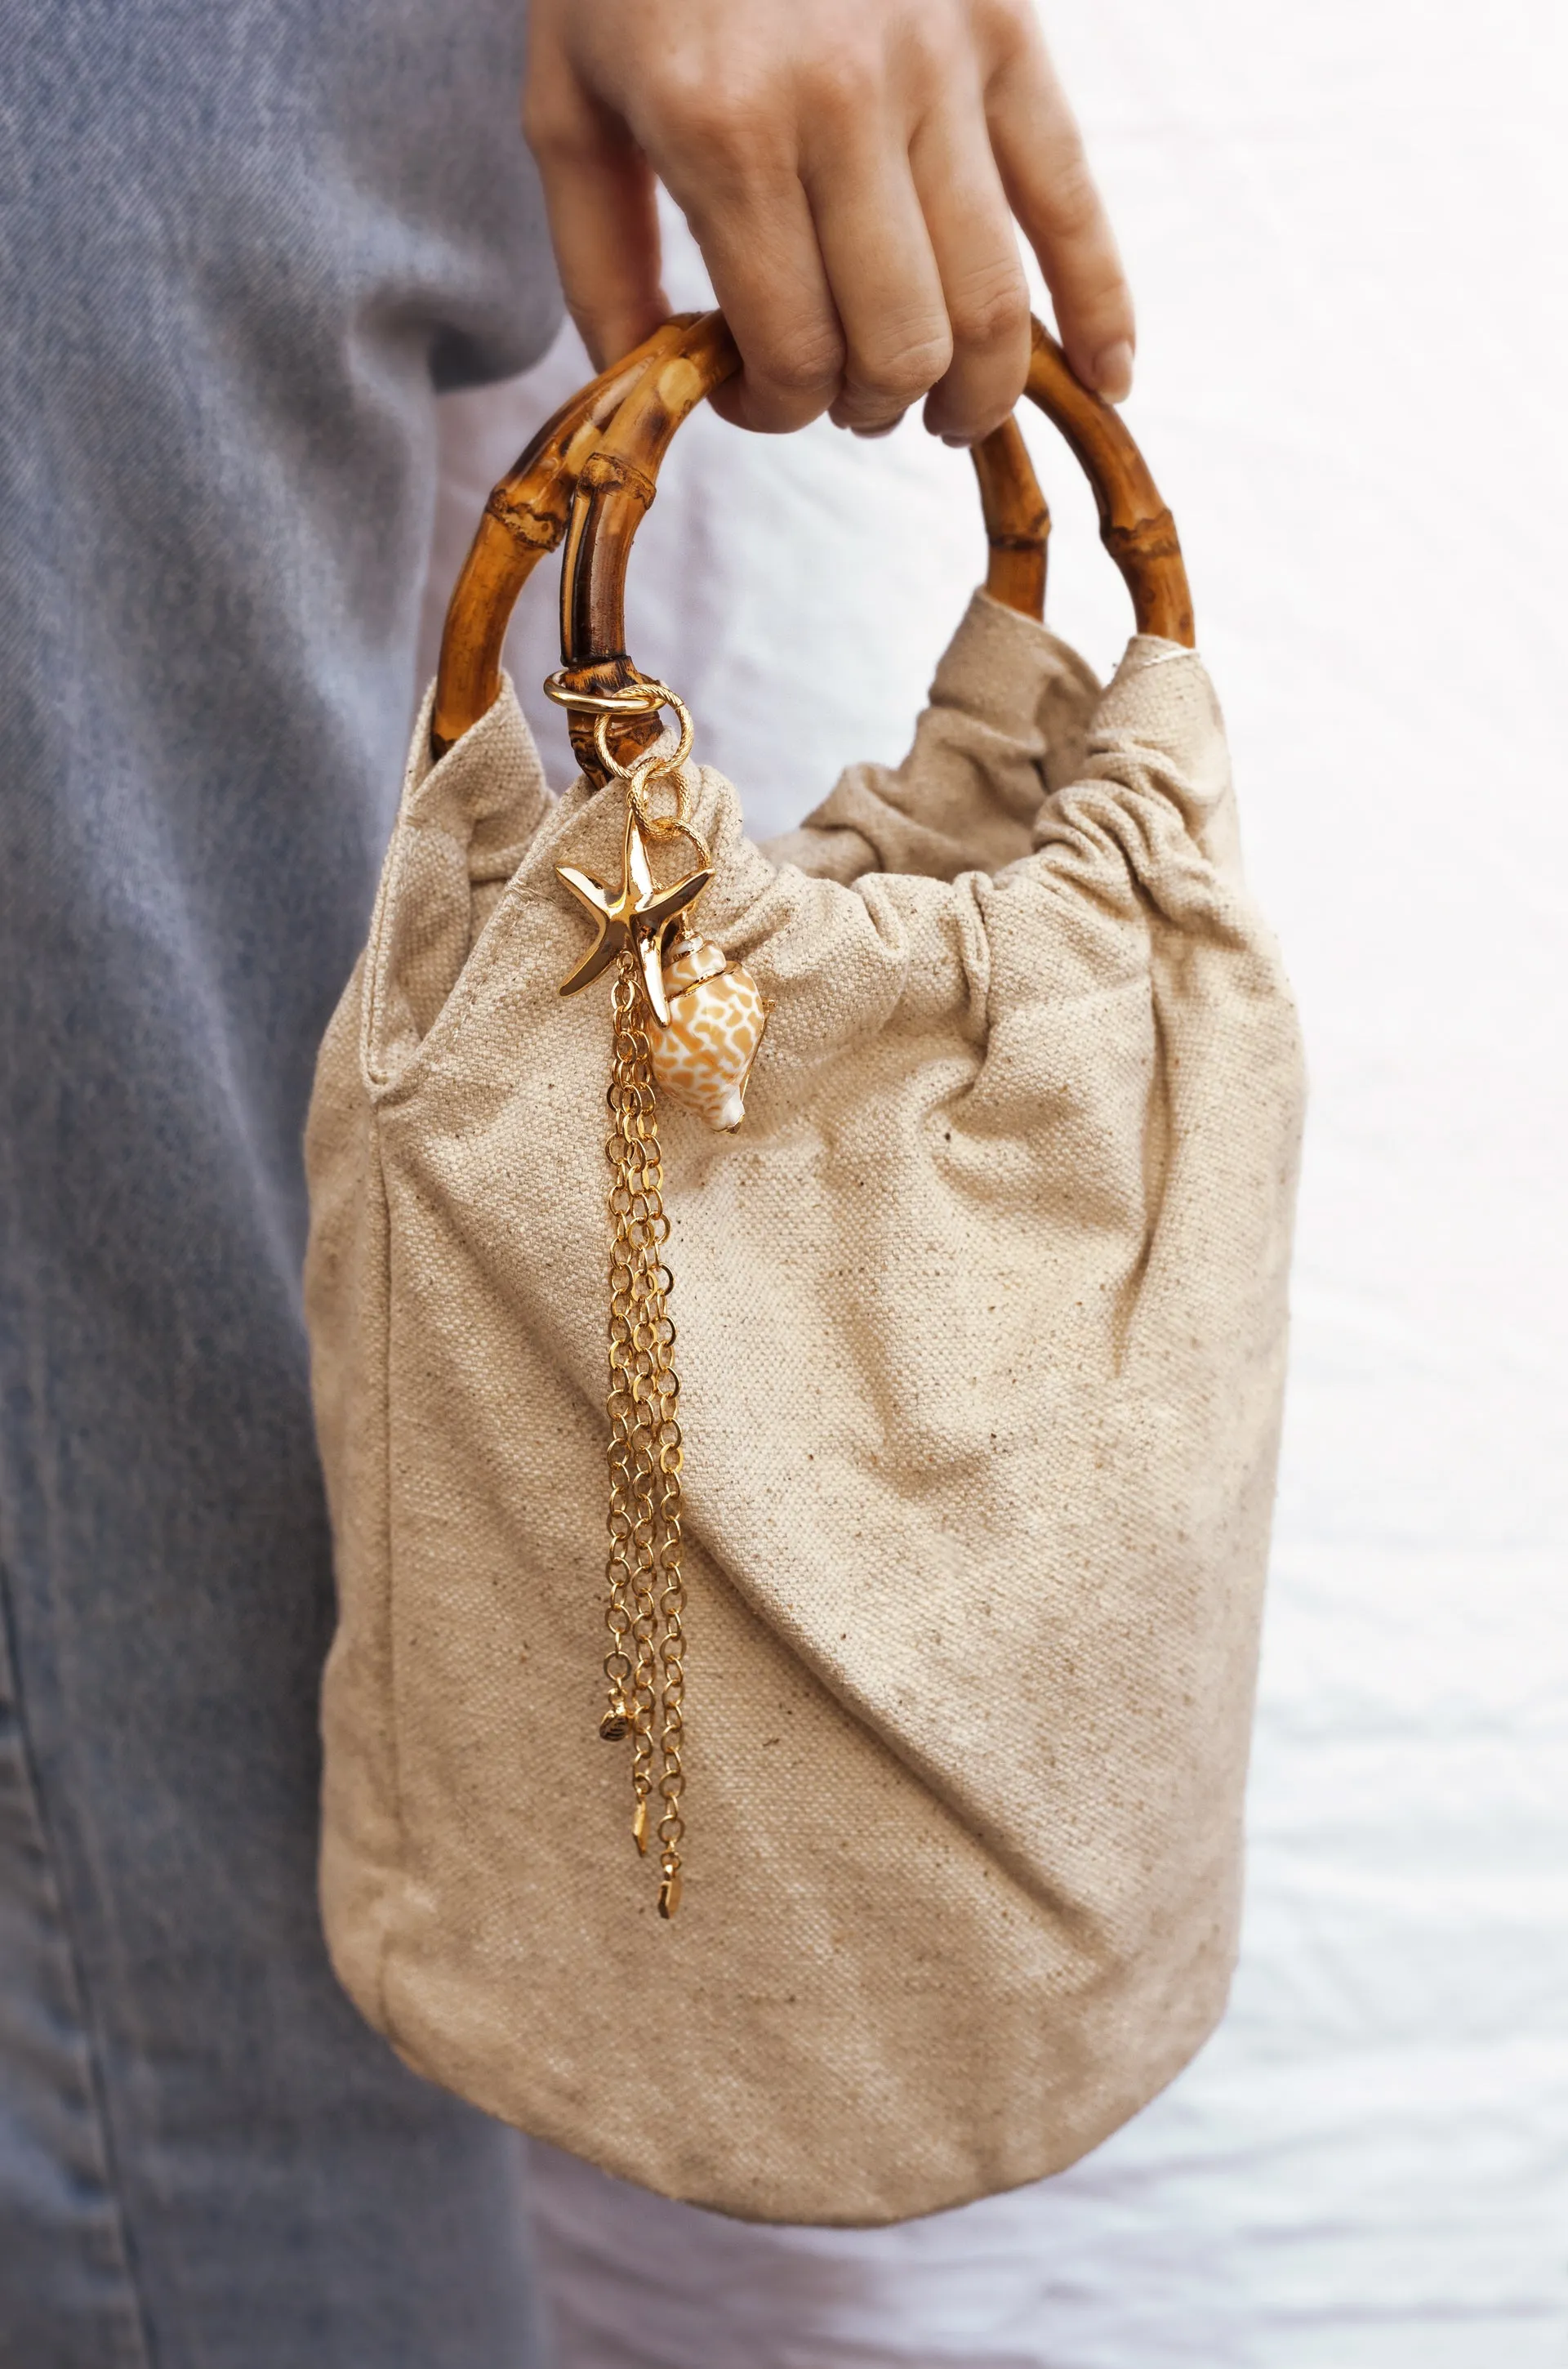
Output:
x,y
851,170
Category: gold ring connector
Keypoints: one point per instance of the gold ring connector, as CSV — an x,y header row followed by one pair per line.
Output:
x,y
652,764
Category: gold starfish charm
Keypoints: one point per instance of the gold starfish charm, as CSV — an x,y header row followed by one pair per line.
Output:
x,y
636,916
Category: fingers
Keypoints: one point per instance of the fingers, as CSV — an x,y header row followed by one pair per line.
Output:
x,y
877,255
751,218
983,288
599,196
851,174
847,287
1039,156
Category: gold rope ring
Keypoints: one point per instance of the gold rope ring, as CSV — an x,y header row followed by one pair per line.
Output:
x,y
652,762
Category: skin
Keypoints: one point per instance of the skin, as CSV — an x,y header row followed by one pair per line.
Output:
x,y
851,171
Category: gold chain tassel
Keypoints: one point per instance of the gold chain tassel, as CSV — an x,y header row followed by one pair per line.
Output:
x,y
645,1593
644,1589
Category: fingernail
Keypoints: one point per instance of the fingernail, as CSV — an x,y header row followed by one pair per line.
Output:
x,y
1112,371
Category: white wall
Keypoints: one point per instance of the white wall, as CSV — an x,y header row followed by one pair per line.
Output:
x,y
1345,225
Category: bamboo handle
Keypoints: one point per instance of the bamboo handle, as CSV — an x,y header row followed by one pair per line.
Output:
x,y
600,454
529,511
1018,525
526,516
624,471
1135,525
619,483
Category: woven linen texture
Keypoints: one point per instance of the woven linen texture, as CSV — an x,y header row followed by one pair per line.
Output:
x,y
981,1331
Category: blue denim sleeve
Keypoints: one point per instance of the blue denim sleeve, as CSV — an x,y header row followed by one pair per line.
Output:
x,y
240,249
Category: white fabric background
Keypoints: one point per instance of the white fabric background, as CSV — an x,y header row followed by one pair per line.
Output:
x,y
1345,225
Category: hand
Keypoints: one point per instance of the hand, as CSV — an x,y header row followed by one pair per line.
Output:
x,y
851,170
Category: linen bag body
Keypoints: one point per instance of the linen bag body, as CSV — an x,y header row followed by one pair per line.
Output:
x,y
981,1323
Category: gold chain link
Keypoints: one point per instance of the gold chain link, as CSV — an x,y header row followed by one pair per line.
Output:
x,y
646,1594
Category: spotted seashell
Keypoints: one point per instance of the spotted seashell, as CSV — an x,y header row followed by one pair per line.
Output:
x,y
703,1057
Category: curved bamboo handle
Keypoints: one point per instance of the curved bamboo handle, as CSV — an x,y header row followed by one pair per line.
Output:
x,y
619,482
526,516
617,486
601,455
528,512
1018,523
624,472
1135,525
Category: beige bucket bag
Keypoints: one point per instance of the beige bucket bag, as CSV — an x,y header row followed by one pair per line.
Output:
x,y
850,1824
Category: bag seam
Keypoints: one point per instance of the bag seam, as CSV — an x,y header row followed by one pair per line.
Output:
x,y
383,1950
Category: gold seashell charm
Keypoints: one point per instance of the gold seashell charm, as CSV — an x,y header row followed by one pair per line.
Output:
x,y
702,1056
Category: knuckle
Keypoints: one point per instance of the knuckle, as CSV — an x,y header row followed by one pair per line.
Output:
x,y
1005,26
1101,292
805,376
1072,203
936,56
991,312
722,118
797,378
902,373
843,83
